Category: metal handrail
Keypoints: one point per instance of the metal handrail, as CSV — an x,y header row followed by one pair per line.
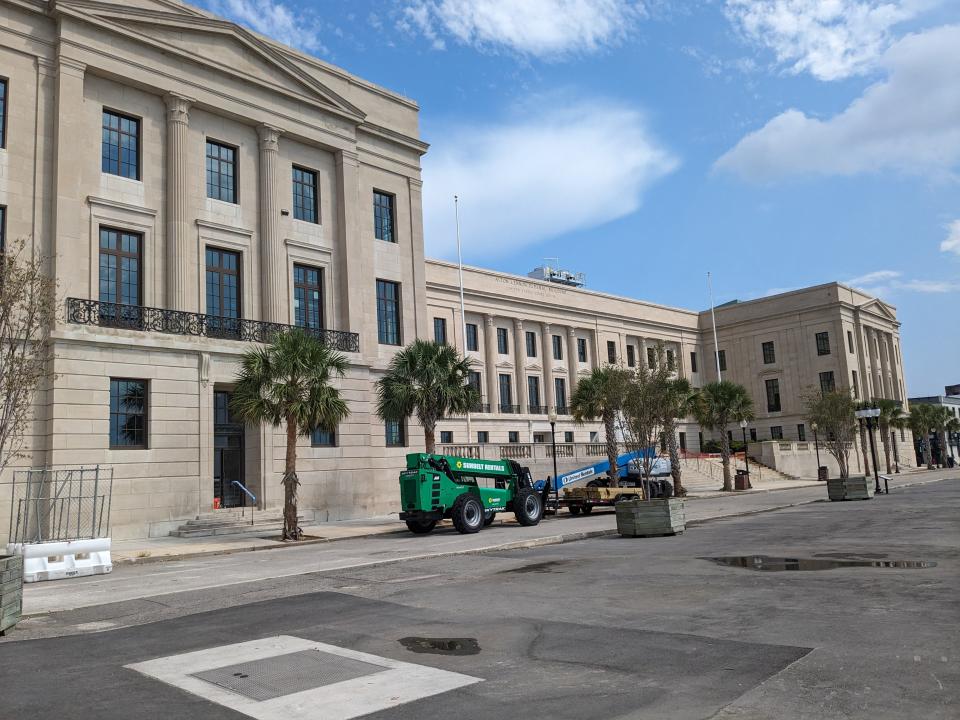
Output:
x,y
249,494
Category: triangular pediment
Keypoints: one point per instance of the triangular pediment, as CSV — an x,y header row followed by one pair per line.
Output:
x,y
878,307
219,44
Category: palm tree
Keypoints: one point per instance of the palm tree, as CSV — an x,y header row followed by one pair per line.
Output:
x,y
953,427
428,379
890,416
718,405
941,416
921,422
601,395
677,403
289,382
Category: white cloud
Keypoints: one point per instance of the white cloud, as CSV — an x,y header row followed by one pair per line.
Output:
x,y
887,282
573,167
910,122
952,243
830,39
544,28
273,19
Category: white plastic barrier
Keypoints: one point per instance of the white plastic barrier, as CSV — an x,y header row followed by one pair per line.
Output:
x,y
65,559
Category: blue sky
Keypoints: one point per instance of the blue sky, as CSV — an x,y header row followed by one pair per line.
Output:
x,y
777,143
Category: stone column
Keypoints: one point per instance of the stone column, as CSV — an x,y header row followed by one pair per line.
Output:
x,y
875,362
643,352
573,363
519,359
894,368
181,256
490,350
273,293
353,285
546,343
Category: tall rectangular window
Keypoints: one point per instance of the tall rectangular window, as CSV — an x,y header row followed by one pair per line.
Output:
x,y
801,432
506,394
221,172
671,363
388,312
560,394
769,353
503,341
474,381
776,432
631,356
557,347
307,297
773,395
693,362
722,360
446,437
826,381
3,228
473,343
533,393
395,433
823,343
223,292
323,438
440,330
850,341
651,358
3,112
384,224
120,273
128,413
305,195
120,145
856,385
531,340
581,350
611,352
753,434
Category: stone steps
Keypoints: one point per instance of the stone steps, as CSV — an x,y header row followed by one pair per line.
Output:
x,y
218,524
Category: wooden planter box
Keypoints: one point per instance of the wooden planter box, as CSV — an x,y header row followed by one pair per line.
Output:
x,y
853,488
644,518
11,591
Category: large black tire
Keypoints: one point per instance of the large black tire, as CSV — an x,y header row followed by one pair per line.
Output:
x,y
528,507
574,509
587,509
421,527
488,518
467,514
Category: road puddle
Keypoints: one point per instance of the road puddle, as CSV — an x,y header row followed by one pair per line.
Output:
x,y
766,563
441,646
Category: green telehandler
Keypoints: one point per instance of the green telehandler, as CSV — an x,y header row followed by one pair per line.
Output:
x,y
467,490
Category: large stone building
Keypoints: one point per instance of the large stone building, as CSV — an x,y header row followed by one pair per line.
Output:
x,y
197,185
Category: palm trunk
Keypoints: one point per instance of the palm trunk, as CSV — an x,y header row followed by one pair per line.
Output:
x,y
885,438
863,452
928,452
944,450
291,530
610,432
430,438
675,469
725,457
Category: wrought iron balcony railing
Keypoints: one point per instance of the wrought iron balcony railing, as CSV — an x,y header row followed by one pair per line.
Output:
x,y
538,409
509,409
177,322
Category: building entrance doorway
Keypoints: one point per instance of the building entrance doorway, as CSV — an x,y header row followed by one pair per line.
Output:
x,y
227,454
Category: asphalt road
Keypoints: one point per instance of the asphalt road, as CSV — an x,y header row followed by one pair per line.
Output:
x,y
602,628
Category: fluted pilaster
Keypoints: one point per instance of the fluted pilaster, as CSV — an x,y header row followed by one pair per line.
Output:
x,y
272,260
573,363
546,350
181,271
490,352
519,359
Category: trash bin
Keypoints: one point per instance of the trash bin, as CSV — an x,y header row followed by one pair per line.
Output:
x,y
742,480
823,474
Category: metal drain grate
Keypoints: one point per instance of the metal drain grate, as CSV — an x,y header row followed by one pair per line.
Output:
x,y
281,675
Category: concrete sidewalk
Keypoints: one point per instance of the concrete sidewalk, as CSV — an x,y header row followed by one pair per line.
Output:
x,y
129,582
145,550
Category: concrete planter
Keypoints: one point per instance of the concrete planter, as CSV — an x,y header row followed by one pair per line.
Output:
x,y
11,591
852,488
643,518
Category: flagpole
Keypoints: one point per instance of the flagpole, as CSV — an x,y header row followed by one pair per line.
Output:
x,y
463,312
713,318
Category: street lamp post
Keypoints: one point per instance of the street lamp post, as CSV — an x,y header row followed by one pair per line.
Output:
x,y
869,415
896,452
816,446
552,417
746,459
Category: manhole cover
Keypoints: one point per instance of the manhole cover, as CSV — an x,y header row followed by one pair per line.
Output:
x,y
280,675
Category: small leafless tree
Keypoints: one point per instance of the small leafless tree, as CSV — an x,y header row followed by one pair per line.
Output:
x,y
833,413
27,312
644,410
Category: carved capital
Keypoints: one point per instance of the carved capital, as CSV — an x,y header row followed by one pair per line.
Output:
x,y
546,328
178,108
517,324
572,331
269,138
489,320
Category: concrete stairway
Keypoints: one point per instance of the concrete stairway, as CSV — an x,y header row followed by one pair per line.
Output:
x,y
232,523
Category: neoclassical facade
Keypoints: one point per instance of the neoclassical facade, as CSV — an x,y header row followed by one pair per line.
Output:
x,y
197,187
